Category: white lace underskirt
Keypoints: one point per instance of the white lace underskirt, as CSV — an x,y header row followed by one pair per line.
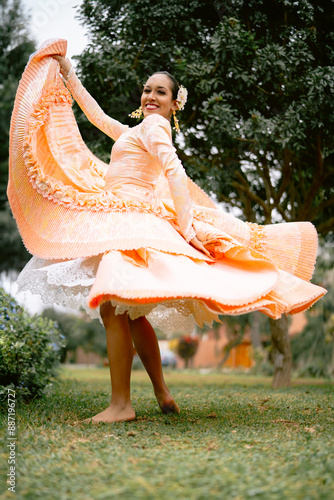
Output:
x,y
67,283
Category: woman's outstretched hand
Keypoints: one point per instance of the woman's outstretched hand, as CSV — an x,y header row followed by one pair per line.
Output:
x,y
65,65
195,242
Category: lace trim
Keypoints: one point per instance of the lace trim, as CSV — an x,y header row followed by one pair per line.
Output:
x,y
64,283
68,283
171,315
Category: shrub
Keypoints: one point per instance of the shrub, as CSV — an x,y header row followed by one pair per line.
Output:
x,y
79,331
30,348
187,347
262,364
315,368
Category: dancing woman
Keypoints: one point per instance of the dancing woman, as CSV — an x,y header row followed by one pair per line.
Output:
x,y
137,239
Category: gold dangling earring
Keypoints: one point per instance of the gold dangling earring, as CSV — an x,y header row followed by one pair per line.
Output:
x,y
137,113
176,122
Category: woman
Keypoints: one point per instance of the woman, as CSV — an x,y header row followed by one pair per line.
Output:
x,y
137,236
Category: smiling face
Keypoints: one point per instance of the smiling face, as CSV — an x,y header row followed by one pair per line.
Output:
x,y
157,96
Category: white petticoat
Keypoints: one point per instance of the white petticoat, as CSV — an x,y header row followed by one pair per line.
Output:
x,y
67,283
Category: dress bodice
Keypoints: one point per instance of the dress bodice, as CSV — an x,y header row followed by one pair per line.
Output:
x,y
140,154
130,163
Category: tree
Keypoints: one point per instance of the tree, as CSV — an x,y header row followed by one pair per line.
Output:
x,y
79,332
13,254
186,348
16,46
313,349
257,131
330,338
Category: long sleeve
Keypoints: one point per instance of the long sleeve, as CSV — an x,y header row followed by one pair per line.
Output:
x,y
156,138
92,110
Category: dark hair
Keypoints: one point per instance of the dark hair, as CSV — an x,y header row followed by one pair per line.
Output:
x,y
174,83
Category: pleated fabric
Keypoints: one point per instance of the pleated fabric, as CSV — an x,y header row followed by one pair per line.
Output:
x,y
121,230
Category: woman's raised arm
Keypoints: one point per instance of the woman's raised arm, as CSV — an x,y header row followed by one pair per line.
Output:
x,y
157,141
87,103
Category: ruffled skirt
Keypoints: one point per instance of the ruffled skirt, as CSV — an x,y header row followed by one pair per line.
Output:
x,y
176,290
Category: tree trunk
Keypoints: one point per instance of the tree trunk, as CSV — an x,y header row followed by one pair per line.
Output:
x,y
331,368
255,331
281,352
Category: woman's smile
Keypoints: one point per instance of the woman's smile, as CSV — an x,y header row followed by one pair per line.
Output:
x,y
151,105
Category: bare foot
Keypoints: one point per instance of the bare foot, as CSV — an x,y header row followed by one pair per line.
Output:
x,y
113,414
167,403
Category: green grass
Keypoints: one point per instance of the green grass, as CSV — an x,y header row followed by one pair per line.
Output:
x,y
235,438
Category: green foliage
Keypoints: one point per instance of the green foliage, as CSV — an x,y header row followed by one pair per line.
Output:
x,y
258,123
79,332
186,347
29,350
15,48
262,364
13,254
313,350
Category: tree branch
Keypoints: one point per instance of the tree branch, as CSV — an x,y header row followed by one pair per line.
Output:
x,y
281,210
250,193
323,205
246,189
264,91
326,227
306,212
136,59
270,192
193,114
246,140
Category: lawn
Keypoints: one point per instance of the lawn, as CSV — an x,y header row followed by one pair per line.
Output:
x,y
235,438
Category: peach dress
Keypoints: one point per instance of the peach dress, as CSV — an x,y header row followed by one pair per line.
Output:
x,y
121,232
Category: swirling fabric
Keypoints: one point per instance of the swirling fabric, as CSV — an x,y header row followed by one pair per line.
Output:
x,y
128,224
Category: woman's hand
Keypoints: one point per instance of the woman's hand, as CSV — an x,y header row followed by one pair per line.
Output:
x,y
195,242
65,65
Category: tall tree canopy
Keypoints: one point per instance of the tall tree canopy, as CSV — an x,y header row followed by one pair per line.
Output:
x,y
15,47
258,126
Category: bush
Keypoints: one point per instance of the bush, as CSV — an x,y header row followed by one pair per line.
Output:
x,y
312,348
187,347
262,365
30,349
79,331
314,369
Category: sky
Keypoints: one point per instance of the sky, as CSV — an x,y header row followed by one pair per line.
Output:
x,y
56,19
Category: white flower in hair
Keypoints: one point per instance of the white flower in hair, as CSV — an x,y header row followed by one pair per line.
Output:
x,y
182,97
